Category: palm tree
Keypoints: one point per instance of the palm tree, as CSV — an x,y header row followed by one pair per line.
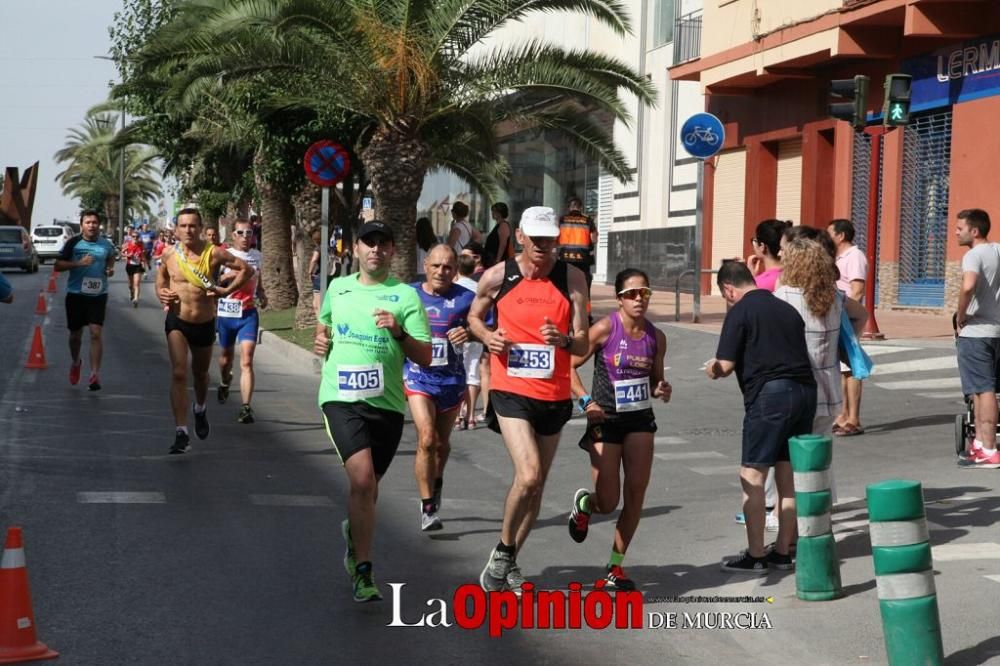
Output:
x,y
415,73
94,167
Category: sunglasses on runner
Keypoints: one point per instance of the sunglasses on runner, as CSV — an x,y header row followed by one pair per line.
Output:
x,y
638,292
243,232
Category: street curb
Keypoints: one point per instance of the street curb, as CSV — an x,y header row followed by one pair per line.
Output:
x,y
290,351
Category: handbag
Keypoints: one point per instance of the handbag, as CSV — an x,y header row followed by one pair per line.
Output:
x,y
851,350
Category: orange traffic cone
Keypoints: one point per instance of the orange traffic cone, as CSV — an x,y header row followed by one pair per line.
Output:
x,y
36,357
52,283
18,641
42,307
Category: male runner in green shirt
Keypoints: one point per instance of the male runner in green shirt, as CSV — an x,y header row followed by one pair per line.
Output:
x,y
368,323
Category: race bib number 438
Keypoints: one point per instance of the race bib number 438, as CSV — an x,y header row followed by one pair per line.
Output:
x,y
356,382
531,361
231,308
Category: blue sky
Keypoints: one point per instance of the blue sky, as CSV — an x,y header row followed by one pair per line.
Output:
x,y
50,78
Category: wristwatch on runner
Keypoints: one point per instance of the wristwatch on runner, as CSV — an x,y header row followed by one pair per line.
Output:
x,y
402,336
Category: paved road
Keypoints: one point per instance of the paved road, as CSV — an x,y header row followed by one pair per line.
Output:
x,y
231,554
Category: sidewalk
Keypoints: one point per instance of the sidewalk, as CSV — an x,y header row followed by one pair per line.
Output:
x,y
894,324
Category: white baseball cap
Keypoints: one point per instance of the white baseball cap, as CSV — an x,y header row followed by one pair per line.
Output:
x,y
540,221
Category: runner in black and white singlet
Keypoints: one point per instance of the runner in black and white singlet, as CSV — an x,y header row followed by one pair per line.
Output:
x,y
628,374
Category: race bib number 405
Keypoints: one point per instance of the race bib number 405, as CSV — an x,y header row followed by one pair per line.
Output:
x,y
439,352
92,286
231,308
632,395
531,361
356,382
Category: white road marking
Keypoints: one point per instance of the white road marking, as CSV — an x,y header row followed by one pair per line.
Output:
x,y
111,497
958,498
918,365
848,500
936,383
885,349
689,455
291,500
952,552
667,439
944,395
729,470
995,579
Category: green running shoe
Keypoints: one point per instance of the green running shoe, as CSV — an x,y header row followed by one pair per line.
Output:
x,y
364,584
349,562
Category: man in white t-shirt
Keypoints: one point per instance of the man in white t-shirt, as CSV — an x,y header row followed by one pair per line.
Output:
x,y
853,266
978,323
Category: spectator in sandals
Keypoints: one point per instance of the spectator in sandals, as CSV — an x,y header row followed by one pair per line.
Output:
x,y
853,267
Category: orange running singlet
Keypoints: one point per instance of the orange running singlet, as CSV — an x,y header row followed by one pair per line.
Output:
x,y
532,368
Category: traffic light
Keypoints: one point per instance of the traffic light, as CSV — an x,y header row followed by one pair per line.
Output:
x,y
896,110
849,100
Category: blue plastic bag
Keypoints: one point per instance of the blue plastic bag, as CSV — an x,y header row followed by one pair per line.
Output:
x,y
850,349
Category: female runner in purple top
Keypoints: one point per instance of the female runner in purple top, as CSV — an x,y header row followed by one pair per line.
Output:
x,y
628,373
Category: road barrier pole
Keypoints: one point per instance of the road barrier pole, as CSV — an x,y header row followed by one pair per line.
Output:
x,y
904,573
817,569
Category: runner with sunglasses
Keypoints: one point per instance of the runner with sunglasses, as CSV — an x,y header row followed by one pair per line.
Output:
x,y
186,285
628,372
239,322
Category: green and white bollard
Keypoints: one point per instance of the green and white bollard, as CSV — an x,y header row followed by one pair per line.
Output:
x,y
817,569
904,573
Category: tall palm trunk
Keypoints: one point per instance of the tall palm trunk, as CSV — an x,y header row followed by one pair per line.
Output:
x,y
396,164
277,274
111,205
307,218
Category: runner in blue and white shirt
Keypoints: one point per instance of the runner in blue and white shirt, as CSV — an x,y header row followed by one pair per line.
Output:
x,y
436,392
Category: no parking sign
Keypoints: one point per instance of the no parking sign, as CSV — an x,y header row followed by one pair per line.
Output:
x,y
327,163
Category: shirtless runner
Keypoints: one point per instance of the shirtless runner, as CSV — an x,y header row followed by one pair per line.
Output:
x,y
186,285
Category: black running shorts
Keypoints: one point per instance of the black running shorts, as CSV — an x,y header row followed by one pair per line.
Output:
x,y
547,417
197,335
132,270
354,426
83,310
616,427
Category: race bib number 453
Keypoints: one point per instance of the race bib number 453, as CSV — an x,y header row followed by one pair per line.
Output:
x,y
531,361
356,382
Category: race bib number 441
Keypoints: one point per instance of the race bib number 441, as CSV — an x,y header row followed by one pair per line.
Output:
x,y
92,286
632,395
356,382
531,361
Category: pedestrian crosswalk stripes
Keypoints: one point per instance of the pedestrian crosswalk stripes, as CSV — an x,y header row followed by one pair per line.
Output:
x,y
932,370
121,497
913,384
918,365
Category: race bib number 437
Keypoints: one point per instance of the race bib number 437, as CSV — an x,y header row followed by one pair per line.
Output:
x,y
356,382
531,361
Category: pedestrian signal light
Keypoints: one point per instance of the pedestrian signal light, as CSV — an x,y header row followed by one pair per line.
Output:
x,y
896,110
849,100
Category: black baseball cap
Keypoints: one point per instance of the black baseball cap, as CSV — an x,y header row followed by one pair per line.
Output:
x,y
376,227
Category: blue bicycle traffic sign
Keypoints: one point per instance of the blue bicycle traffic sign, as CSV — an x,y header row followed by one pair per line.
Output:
x,y
703,135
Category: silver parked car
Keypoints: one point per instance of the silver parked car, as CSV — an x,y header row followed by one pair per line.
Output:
x,y
17,250
49,240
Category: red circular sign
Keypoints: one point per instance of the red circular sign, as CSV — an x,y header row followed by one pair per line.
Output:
x,y
327,163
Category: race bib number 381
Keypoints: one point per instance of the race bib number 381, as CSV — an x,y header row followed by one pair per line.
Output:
x,y
531,361
92,286
356,382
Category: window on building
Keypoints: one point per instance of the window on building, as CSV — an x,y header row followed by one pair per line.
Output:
x,y
662,22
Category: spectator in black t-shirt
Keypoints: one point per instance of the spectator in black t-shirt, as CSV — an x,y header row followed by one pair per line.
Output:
x,y
763,341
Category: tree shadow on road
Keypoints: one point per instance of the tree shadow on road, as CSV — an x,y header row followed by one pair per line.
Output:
x,y
977,654
910,422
